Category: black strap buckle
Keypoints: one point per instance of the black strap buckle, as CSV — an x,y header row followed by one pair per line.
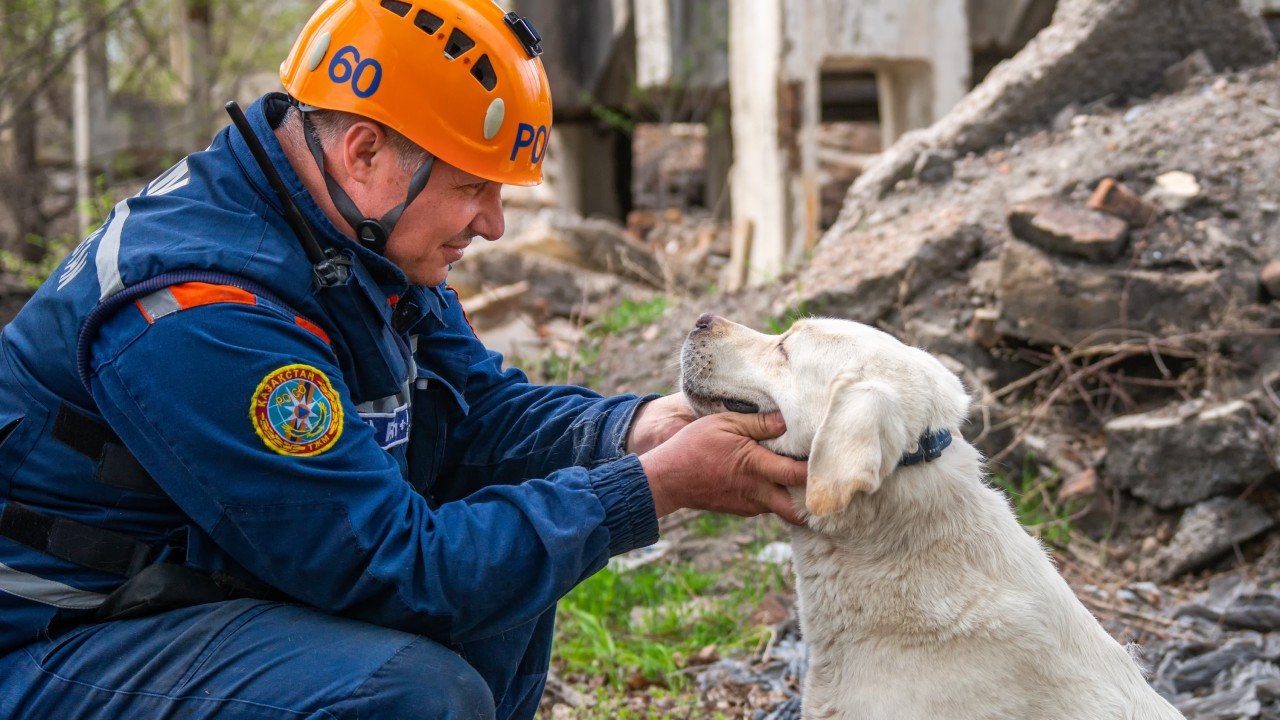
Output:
x,y
66,539
94,439
525,33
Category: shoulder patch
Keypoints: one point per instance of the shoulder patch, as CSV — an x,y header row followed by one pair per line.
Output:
x,y
296,411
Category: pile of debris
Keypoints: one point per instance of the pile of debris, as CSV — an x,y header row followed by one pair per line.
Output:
x,y
1107,282
1107,286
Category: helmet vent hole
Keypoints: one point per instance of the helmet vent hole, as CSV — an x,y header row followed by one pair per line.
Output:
x,y
427,22
400,8
459,42
483,71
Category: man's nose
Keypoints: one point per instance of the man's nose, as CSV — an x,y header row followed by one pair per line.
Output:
x,y
489,222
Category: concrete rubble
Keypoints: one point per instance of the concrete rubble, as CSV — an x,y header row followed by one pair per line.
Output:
x,y
1092,239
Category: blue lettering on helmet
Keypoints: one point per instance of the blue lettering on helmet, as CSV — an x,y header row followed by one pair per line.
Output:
x,y
539,147
524,138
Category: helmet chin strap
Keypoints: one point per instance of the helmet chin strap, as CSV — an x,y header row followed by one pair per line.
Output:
x,y
371,233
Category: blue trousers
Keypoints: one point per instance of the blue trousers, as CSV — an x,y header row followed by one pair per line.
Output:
x,y
237,660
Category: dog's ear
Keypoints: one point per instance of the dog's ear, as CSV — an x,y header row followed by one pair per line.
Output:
x,y
858,442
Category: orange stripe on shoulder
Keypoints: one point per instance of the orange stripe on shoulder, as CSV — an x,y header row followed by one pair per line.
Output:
x,y
313,328
195,294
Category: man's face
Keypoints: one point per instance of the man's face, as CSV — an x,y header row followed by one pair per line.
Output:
x,y
441,222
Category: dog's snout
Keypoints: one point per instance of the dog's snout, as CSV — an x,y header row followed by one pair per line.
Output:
x,y
705,321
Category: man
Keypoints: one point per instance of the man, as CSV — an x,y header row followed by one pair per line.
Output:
x,y
253,460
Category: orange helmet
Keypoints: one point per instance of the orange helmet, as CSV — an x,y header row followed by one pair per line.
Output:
x,y
457,77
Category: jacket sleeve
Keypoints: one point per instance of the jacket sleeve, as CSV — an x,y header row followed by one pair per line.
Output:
x,y
338,527
512,429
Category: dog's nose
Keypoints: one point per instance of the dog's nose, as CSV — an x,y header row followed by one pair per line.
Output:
x,y
705,320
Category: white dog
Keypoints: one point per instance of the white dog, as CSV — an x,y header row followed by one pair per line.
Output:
x,y
921,598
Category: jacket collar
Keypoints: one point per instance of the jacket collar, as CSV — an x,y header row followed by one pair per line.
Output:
x,y
265,115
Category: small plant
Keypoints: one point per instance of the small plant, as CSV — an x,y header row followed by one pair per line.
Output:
x,y
777,326
629,314
573,366
1032,499
33,273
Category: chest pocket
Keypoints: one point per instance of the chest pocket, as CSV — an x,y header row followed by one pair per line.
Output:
x,y
430,431
436,399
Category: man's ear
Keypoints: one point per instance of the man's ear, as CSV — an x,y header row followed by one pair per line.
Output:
x,y
361,143
859,441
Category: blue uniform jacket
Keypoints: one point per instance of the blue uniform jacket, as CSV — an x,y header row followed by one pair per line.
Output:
x,y
445,497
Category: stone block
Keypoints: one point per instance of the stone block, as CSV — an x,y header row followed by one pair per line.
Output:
x,y
1177,457
1063,228
1044,299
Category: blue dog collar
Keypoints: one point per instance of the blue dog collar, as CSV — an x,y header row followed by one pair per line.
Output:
x,y
931,447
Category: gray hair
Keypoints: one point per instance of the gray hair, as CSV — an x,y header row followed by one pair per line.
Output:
x,y
331,125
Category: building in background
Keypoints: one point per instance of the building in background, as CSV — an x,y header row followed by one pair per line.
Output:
x,y
790,97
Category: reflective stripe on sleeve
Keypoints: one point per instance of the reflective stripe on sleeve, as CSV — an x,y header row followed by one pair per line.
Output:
x,y
47,592
188,295
107,259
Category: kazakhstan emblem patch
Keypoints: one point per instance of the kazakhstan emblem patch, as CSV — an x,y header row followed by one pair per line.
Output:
x,y
296,411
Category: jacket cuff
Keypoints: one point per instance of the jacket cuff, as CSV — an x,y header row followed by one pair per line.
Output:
x,y
630,518
611,444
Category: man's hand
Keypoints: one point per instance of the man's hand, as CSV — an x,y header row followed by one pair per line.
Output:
x,y
715,463
656,421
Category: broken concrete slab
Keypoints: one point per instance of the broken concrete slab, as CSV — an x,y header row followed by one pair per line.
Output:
x,y
895,261
1176,457
1047,300
1067,229
1195,66
593,244
1208,531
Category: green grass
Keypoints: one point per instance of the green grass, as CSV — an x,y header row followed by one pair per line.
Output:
x,y
619,631
709,524
629,314
777,326
649,621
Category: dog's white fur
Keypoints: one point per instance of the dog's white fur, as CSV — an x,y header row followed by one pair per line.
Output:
x,y
920,595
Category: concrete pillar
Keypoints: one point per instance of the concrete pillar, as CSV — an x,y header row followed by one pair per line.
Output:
x,y
919,50
758,193
653,43
906,91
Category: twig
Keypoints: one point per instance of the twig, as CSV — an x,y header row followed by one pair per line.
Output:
x,y
1065,362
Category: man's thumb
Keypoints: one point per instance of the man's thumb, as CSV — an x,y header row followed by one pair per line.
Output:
x,y
760,426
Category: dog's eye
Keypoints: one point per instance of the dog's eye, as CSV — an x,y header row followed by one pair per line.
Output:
x,y
782,348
